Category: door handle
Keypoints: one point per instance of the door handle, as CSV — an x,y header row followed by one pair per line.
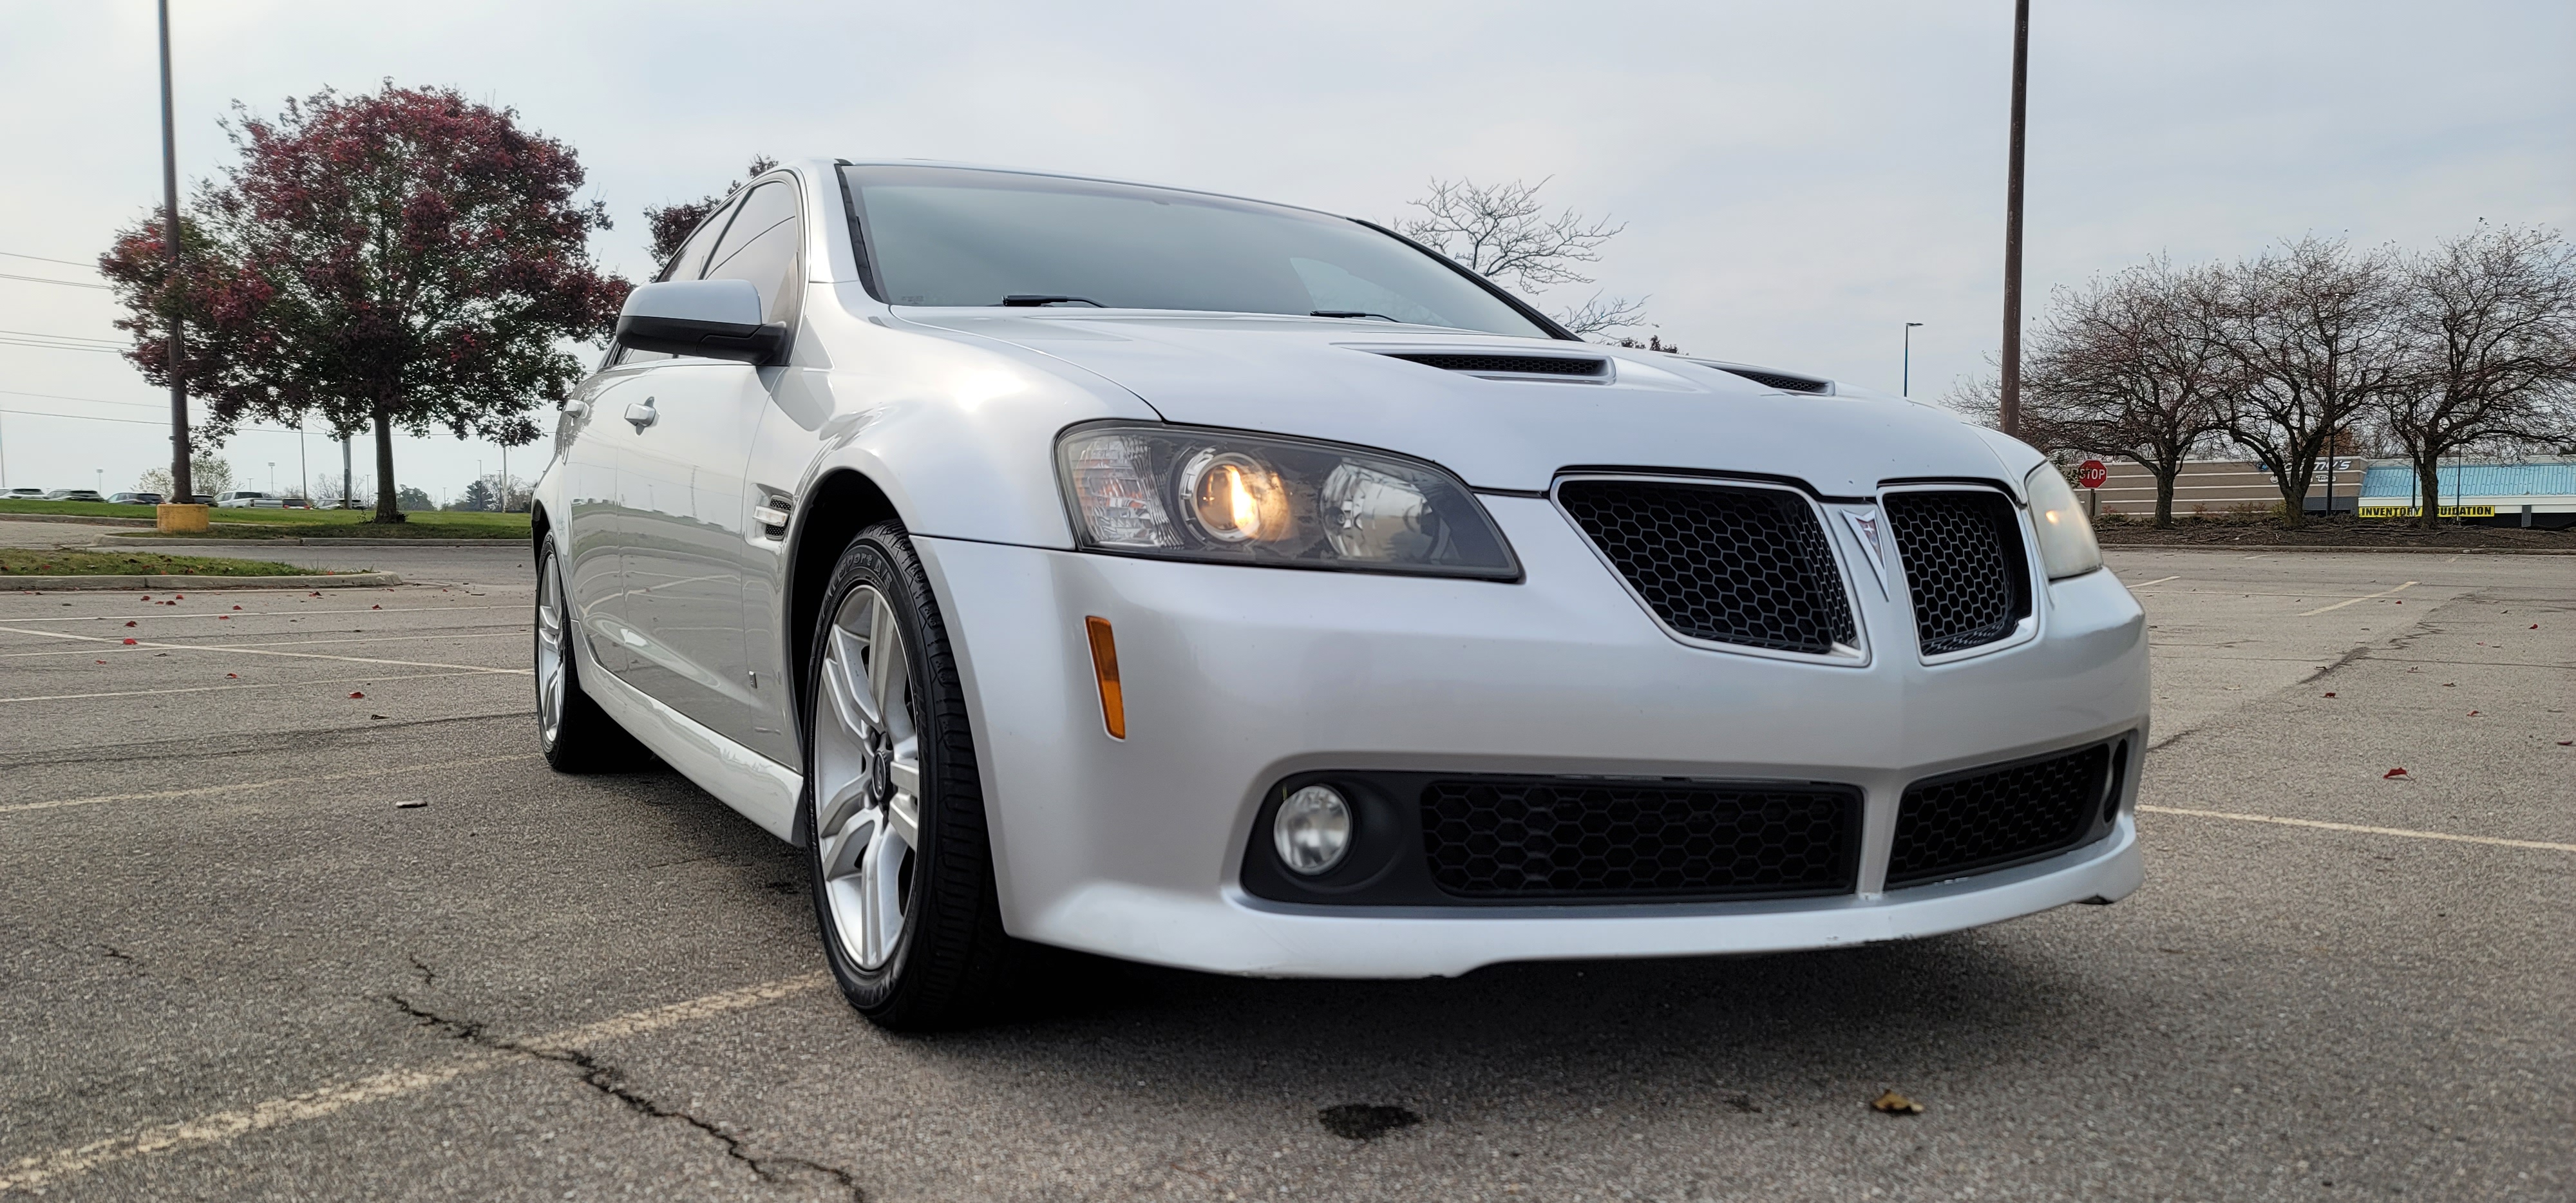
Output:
x,y
642,414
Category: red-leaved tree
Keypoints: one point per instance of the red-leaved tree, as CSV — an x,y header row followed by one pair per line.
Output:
x,y
401,259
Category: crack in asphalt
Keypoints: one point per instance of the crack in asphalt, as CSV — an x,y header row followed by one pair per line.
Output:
x,y
771,1169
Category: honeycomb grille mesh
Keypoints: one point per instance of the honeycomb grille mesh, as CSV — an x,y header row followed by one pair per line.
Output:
x,y
1580,839
1729,565
1990,819
1780,380
1532,365
1964,566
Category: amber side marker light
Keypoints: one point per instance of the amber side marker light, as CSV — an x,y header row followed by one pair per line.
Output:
x,y
1104,664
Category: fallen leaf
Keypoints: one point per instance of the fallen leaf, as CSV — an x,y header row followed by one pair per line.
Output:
x,y
2329,693
414,804
375,716
227,676
180,596
2395,772
2564,743
129,641
237,607
355,694
315,593
375,607
223,618
2473,714
2535,626
1893,1103
102,661
129,622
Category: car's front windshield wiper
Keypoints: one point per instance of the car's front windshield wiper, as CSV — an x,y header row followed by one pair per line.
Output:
x,y
1351,313
1032,300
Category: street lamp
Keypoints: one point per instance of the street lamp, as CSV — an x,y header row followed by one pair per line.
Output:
x,y
1905,385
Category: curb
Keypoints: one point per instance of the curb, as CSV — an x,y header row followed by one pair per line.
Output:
x,y
2269,548
293,541
344,580
82,519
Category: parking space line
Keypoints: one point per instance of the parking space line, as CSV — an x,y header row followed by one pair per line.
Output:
x,y
28,1173
258,651
2498,841
261,613
513,633
2363,598
154,693
240,786
2158,581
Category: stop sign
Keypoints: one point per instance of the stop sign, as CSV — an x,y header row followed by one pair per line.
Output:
x,y
2091,474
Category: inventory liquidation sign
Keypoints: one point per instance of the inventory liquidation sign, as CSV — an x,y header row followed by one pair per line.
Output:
x,y
2417,511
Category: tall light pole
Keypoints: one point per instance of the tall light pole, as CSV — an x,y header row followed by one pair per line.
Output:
x,y
1905,382
2010,412
180,481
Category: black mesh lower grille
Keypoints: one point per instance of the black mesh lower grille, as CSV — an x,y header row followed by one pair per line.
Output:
x,y
1989,818
1590,839
1724,563
1963,564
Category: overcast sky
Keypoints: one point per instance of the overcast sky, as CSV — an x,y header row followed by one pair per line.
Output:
x,y
1799,177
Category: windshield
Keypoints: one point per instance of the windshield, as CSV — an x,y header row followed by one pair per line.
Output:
x,y
957,236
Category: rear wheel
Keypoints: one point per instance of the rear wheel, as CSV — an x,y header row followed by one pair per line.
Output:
x,y
577,736
902,872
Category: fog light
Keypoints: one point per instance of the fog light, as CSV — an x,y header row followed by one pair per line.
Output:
x,y
1313,830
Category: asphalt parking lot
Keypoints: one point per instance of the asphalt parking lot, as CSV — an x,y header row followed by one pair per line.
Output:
x,y
233,964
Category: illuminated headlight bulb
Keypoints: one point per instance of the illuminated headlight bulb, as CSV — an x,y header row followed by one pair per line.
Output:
x,y
1312,830
1235,498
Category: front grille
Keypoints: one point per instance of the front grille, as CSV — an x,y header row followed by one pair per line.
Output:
x,y
1578,839
1527,365
1963,564
1780,380
1724,563
1990,818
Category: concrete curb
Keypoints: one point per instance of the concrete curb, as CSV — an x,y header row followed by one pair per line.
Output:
x,y
156,540
82,519
2270,548
344,580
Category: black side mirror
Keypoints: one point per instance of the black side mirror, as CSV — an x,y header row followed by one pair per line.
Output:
x,y
719,319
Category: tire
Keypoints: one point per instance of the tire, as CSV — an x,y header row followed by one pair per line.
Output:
x,y
576,735
910,920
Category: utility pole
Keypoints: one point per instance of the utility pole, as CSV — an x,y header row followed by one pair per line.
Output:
x,y
2011,408
346,500
180,481
1905,382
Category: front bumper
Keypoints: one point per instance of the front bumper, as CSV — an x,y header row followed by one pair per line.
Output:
x,y
1237,677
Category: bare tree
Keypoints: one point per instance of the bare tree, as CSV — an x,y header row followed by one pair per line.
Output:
x,y
2490,322
1504,233
2124,368
2313,333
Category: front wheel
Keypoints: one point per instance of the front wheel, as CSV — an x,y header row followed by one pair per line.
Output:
x,y
902,871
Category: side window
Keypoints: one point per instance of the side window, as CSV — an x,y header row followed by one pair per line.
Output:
x,y
685,265
761,246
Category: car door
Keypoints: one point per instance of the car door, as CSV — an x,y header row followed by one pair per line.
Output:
x,y
693,538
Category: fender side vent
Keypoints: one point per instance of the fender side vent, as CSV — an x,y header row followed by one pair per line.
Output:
x,y
1780,380
1561,366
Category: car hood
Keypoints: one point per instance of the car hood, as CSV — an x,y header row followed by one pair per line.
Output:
x,y
1334,379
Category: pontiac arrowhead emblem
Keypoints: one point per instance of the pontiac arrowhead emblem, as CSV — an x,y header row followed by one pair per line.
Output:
x,y
1865,523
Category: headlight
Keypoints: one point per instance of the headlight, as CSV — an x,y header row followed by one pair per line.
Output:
x,y
1219,495
2066,545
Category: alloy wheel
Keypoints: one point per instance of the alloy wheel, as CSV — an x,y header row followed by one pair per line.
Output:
x,y
550,654
867,777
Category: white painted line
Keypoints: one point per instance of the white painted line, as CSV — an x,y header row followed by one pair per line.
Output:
x,y
425,636
253,613
2363,598
241,786
28,1173
257,651
2542,845
2158,581
154,693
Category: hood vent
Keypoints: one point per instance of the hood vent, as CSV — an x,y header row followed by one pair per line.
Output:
x,y
1780,380
1551,367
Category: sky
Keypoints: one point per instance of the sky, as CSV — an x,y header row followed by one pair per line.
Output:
x,y
1798,178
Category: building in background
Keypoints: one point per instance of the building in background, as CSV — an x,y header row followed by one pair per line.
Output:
x,y
2538,492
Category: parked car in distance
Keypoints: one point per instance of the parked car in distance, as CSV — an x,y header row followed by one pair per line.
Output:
x,y
239,498
195,499
135,498
295,503
1242,588
74,495
26,495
